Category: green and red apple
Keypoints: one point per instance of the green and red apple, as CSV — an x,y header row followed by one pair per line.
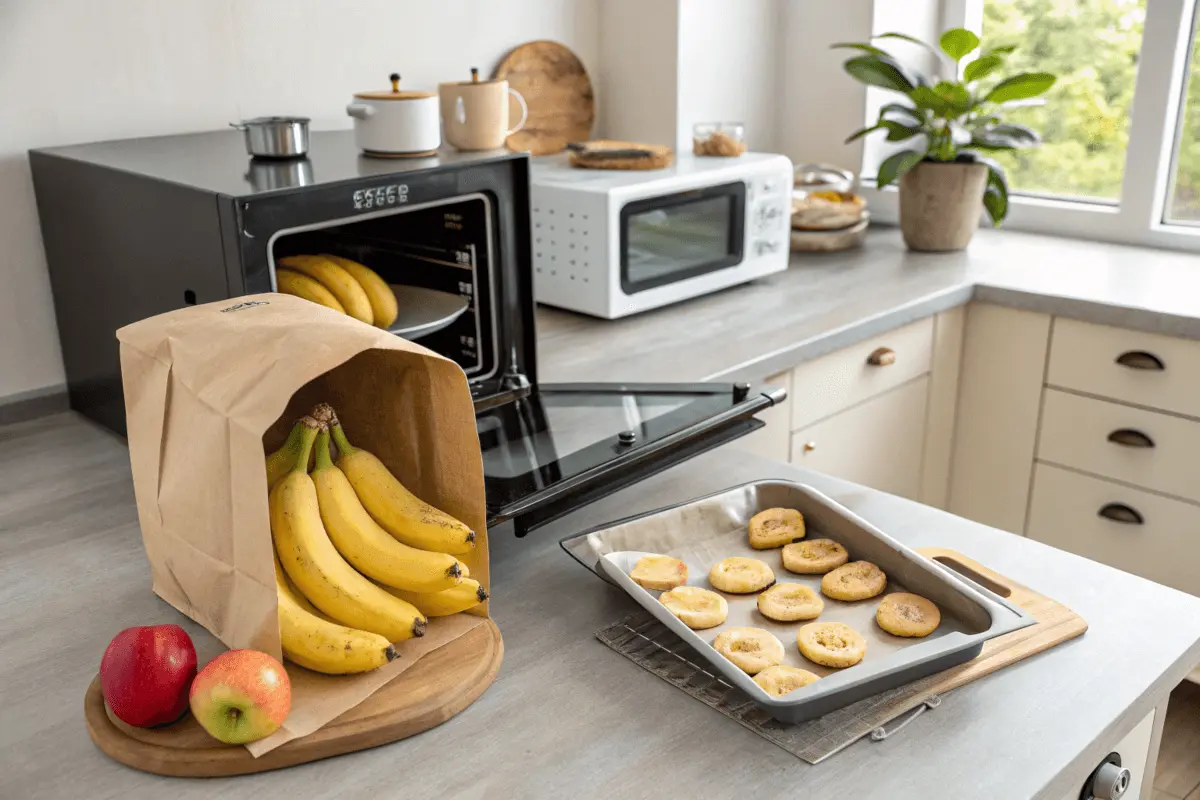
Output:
x,y
241,696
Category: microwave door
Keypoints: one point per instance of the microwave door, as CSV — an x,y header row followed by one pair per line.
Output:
x,y
562,446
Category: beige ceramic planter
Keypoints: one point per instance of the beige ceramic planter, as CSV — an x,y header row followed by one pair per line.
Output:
x,y
940,204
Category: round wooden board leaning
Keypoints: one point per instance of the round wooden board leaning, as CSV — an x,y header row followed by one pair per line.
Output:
x,y
558,92
427,694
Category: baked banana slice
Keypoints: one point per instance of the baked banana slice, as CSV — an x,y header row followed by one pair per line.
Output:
x,y
659,572
781,679
697,608
788,602
814,556
776,527
857,580
905,614
750,649
740,575
831,644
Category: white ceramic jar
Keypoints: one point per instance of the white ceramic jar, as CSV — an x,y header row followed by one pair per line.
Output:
x,y
396,123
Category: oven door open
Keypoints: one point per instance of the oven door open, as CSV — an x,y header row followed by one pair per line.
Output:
x,y
558,447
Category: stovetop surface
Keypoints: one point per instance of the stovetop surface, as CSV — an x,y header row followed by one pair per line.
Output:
x,y
216,161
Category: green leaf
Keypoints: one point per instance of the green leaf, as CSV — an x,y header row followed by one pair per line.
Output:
x,y
925,97
895,165
957,42
995,194
955,95
1004,137
899,108
982,67
1003,50
874,71
905,37
898,132
866,48
861,132
1020,87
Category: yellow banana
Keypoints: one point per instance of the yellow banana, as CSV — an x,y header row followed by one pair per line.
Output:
x,y
312,562
383,299
397,510
442,604
323,646
366,545
341,283
290,282
280,462
463,571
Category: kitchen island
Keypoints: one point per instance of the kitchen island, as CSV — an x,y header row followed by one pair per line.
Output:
x,y
567,716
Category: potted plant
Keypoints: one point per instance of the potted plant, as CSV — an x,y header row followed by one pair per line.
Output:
x,y
946,178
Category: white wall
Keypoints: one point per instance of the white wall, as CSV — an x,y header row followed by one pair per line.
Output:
x,y
85,70
638,58
730,59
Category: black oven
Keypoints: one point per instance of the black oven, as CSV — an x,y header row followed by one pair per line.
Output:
x,y
135,228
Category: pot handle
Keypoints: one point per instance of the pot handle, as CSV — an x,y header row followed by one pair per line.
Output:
x,y
360,110
241,126
524,111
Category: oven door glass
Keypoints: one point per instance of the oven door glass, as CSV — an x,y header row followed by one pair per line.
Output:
x,y
562,446
678,236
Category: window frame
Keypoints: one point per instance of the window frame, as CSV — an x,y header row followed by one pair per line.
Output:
x,y
1138,217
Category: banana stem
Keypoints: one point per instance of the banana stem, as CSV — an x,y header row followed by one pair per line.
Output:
x,y
323,460
307,436
280,462
339,438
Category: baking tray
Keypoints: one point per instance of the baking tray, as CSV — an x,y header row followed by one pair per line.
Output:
x,y
704,531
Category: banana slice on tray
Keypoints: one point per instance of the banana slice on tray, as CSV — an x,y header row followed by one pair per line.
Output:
x,y
740,575
788,602
750,649
831,644
814,556
782,679
696,607
659,572
776,527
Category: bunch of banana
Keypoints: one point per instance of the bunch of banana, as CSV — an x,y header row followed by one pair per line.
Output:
x,y
340,284
361,560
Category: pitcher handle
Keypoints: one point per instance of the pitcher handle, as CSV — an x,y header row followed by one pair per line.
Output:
x,y
524,112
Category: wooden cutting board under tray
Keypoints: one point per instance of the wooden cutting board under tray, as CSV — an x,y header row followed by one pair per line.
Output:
x,y
441,684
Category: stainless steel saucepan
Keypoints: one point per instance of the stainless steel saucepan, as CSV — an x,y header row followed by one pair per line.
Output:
x,y
275,137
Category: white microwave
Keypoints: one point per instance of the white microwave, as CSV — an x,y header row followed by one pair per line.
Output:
x,y
613,243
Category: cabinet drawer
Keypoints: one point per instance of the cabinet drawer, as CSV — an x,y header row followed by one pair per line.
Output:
x,y
1089,358
1164,547
877,443
834,382
1079,432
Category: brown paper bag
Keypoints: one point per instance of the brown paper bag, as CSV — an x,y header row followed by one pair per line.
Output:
x,y
207,387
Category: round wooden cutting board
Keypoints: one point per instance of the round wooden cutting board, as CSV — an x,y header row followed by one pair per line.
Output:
x,y
557,90
441,684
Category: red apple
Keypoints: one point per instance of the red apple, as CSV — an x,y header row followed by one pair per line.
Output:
x,y
145,674
241,696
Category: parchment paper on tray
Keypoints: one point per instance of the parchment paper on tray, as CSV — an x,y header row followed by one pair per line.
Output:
x,y
704,531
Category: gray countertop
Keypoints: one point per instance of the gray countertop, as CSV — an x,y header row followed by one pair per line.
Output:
x,y
828,301
567,717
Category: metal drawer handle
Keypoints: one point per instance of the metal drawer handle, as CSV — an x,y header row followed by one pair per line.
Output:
x,y
1140,359
1119,512
1128,437
882,357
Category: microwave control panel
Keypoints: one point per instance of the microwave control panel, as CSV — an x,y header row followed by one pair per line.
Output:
x,y
770,201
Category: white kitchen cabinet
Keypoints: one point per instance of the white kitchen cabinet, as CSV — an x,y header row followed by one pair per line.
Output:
x,y
878,443
1138,755
1003,365
1133,530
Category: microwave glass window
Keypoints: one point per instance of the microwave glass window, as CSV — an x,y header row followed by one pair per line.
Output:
x,y
672,238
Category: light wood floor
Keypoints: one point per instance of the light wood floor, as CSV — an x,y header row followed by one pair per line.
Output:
x,y
1177,776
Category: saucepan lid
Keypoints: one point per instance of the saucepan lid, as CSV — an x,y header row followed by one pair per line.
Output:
x,y
395,93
